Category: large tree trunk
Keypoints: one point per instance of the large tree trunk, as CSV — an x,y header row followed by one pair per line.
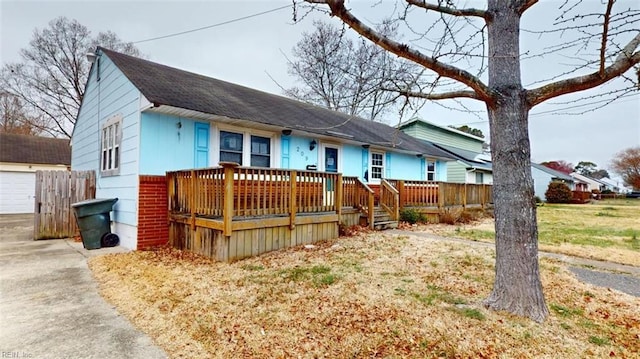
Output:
x,y
517,288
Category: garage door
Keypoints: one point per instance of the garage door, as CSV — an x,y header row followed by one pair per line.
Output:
x,y
17,191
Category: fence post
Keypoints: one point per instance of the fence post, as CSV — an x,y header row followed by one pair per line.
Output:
x,y
401,194
227,210
293,176
464,197
441,190
192,199
338,197
371,210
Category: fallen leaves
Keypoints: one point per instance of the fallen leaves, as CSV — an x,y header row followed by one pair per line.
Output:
x,y
387,297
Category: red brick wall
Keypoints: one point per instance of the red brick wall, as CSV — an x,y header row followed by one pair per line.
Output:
x,y
153,226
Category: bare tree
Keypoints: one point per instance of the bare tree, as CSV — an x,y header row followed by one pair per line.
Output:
x,y
14,119
51,77
627,164
354,77
450,42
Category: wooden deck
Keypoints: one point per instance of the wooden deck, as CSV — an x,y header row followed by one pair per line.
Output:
x,y
231,212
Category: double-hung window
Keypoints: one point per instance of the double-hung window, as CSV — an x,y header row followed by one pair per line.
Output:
x,y
377,165
260,151
234,149
231,147
110,146
431,170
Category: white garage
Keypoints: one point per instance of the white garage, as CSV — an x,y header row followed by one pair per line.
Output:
x,y
17,194
20,157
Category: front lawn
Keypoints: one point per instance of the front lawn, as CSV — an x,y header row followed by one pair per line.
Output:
x,y
608,230
372,295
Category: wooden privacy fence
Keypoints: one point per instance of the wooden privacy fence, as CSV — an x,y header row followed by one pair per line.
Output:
x,y
54,193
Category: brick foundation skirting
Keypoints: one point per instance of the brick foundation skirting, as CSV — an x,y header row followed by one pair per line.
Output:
x,y
153,226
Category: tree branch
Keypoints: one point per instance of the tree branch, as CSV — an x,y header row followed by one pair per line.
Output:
x,y
625,60
449,10
526,6
338,9
436,96
605,31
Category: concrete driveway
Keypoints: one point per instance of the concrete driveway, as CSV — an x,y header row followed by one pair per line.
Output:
x,y
49,303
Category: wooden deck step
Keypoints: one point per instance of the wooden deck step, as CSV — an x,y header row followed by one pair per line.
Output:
x,y
382,220
385,225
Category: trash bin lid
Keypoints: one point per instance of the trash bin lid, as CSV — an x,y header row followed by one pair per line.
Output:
x,y
93,206
95,201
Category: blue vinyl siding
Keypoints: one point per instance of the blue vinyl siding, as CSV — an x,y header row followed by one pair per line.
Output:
x,y
113,95
165,146
403,166
299,154
351,159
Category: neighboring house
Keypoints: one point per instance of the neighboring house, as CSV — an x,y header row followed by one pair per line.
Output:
x,y
140,119
542,176
20,157
591,183
611,185
470,164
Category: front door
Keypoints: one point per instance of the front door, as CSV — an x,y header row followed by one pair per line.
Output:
x,y
331,159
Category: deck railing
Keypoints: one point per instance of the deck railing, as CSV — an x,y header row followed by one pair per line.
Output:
x,y
413,193
232,192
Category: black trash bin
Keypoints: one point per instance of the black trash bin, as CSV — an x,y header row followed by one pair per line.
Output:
x,y
94,222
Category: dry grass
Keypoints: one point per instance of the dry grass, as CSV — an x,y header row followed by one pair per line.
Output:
x,y
608,230
372,295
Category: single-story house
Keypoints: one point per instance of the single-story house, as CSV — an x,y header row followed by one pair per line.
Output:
x,y
470,163
20,157
592,183
543,175
140,119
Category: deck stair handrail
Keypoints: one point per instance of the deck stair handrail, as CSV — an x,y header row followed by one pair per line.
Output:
x,y
390,199
357,194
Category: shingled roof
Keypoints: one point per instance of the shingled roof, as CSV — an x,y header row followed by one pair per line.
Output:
x,y
33,149
164,85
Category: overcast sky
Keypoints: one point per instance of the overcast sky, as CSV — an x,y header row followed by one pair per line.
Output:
x,y
247,52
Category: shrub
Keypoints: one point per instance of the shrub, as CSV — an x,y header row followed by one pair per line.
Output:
x,y
448,216
455,216
558,193
412,216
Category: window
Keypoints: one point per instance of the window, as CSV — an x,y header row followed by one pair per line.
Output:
x,y
110,149
479,177
231,147
245,148
431,170
260,151
377,165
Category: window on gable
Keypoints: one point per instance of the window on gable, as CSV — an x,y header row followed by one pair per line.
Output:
x,y
431,170
231,147
377,165
110,146
260,151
